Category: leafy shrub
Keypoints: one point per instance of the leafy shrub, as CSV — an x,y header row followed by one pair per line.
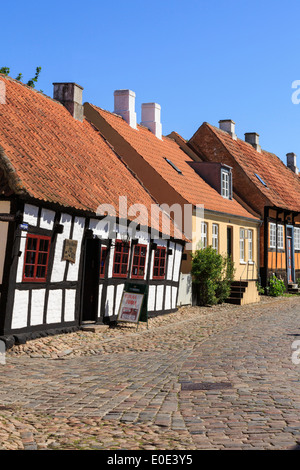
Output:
x,y
276,286
212,275
260,289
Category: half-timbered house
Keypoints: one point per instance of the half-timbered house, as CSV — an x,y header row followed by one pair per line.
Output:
x,y
175,179
264,184
62,261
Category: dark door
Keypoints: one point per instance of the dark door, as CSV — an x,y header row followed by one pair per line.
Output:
x,y
91,280
229,241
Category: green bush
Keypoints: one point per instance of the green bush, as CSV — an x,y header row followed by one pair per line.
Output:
x,y
276,286
212,275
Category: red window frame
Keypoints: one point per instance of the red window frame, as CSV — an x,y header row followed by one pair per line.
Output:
x,y
103,258
36,258
139,261
121,258
159,265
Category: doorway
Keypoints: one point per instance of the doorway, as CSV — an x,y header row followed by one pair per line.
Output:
x,y
229,241
290,255
91,276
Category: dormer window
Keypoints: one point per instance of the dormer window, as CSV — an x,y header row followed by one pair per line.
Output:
x,y
226,183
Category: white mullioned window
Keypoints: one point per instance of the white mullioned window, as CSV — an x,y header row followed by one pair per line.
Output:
x,y
297,238
280,229
203,234
225,184
250,245
242,244
272,235
215,237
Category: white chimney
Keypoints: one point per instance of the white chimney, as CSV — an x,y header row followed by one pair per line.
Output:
x,y
253,139
2,92
151,118
228,126
291,162
125,106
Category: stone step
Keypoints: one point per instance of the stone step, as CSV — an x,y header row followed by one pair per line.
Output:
x,y
233,300
94,328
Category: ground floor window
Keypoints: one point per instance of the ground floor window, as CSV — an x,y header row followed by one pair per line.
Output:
x,y
159,267
215,237
203,234
139,261
242,244
250,245
36,258
121,259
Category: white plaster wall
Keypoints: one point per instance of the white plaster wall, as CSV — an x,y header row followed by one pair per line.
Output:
x,y
151,298
177,262
21,259
168,298
30,215
37,307
159,297
54,307
77,235
171,261
47,219
59,266
99,227
20,309
70,296
109,302
4,209
120,290
100,299
174,295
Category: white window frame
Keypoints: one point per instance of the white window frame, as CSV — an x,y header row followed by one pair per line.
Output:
x,y
203,234
215,237
280,235
250,245
242,245
272,235
296,238
225,183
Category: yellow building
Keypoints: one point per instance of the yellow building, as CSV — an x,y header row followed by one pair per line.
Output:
x,y
202,190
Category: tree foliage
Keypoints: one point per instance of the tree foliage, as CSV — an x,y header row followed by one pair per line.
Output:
x,y
31,82
212,275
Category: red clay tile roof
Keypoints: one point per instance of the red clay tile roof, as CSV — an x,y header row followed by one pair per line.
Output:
x,y
50,156
283,185
189,185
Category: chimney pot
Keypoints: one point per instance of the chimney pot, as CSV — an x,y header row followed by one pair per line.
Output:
x,y
70,95
151,118
253,139
2,92
228,126
124,105
291,162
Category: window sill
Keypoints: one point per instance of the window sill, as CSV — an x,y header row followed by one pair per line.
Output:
x,y
242,262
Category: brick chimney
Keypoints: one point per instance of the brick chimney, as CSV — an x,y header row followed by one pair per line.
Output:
x,y
151,118
253,139
70,95
124,105
291,162
228,126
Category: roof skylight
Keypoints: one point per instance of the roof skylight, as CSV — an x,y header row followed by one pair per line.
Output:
x,y
173,166
261,180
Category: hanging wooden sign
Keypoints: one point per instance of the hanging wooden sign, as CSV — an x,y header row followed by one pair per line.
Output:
x,y
69,252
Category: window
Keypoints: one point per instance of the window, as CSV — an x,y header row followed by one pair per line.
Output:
x,y
173,166
159,268
121,259
296,238
250,245
261,180
272,235
103,257
242,244
203,234
225,184
36,258
139,262
280,237
215,237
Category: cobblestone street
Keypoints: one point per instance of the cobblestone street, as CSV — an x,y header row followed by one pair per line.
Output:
x,y
203,378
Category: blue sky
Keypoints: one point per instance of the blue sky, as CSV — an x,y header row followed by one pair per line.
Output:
x,y
200,60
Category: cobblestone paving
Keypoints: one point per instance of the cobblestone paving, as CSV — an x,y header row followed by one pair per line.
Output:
x,y
124,389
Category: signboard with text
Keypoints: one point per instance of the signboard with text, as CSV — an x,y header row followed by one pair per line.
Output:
x,y
130,308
